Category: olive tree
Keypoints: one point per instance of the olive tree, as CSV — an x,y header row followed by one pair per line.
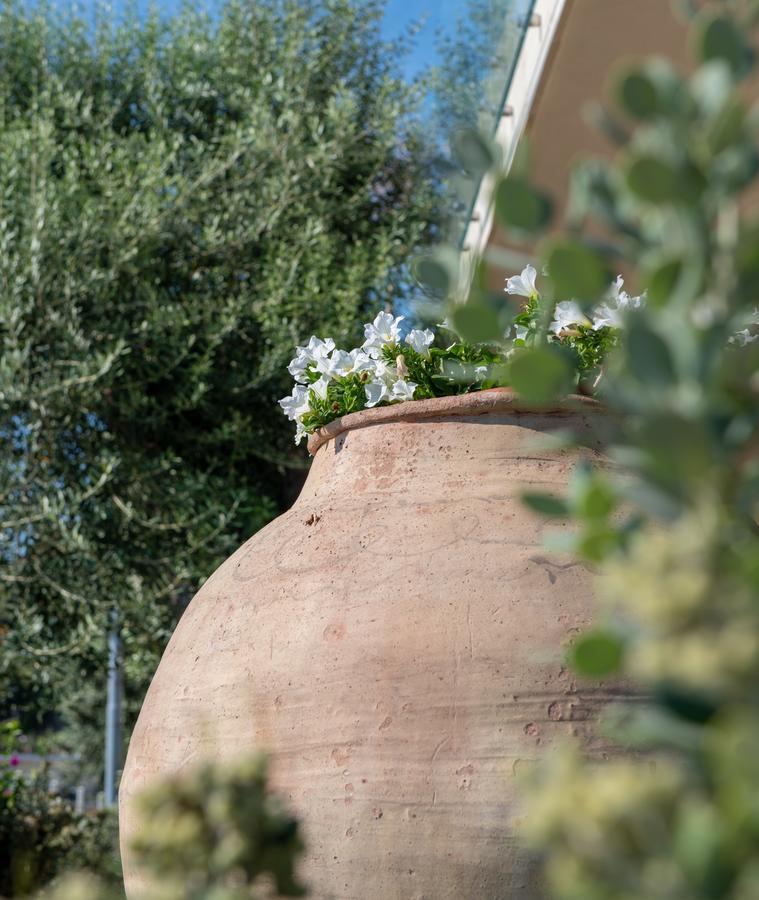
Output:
x,y
182,200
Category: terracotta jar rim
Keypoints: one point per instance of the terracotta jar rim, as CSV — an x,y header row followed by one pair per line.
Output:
x,y
493,400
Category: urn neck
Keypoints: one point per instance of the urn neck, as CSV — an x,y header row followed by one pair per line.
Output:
x,y
494,400
460,443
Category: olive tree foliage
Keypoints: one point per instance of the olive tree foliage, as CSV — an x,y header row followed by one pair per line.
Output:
x,y
182,201
671,525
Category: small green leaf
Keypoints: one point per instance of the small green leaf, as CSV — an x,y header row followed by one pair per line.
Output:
x,y
540,375
474,152
596,501
736,166
652,179
652,90
636,94
438,271
719,38
521,207
662,280
688,705
546,505
674,281
712,89
598,543
657,180
597,653
677,449
648,355
729,128
477,322
577,271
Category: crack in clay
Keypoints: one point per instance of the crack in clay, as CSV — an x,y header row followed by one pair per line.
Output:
x,y
439,747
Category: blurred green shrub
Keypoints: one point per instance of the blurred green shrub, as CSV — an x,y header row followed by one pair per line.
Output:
x,y
215,832
673,527
41,834
212,832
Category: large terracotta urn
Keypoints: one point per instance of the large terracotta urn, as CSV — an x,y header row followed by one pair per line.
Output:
x,y
395,642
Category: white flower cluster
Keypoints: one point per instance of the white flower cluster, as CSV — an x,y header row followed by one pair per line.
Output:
x,y
568,313
610,313
383,381
749,334
386,381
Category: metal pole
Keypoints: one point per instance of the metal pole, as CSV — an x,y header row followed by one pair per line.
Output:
x,y
113,713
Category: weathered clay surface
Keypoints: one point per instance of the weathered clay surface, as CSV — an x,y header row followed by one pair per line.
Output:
x,y
395,641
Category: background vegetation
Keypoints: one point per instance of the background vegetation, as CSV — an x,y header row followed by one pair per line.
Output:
x,y
181,202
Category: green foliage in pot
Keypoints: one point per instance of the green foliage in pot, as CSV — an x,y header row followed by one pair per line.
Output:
x,y
673,527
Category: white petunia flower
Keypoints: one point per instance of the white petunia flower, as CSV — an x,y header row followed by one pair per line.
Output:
x,y
520,332
341,363
385,329
358,361
315,350
523,285
296,405
403,390
318,347
421,341
481,373
743,337
331,366
320,387
298,365
376,392
385,372
567,314
747,335
300,432
615,291
628,302
607,316
610,313
447,324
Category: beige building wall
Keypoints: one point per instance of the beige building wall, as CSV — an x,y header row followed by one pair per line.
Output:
x,y
593,38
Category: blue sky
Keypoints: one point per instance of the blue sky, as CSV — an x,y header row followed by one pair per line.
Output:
x,y
399,15
437,15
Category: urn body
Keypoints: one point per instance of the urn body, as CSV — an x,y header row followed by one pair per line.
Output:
x,y
395,643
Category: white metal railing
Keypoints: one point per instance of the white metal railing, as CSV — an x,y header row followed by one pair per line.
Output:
x,y
520,95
